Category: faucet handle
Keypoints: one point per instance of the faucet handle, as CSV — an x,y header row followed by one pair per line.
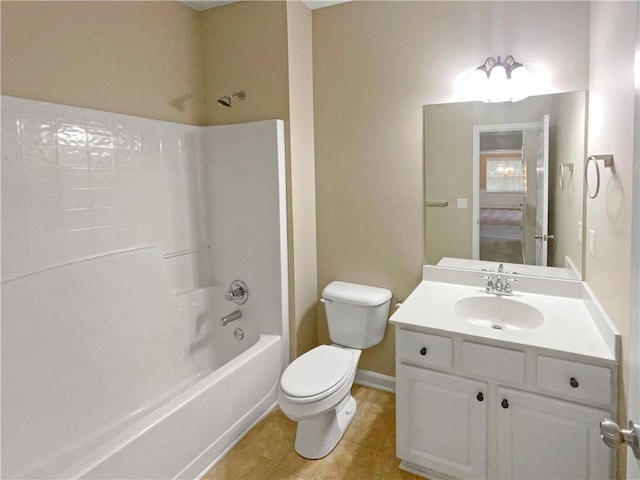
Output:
x,y
489,286
238,292
507,285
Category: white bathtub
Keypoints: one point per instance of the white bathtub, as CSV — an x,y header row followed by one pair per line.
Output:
x,y
114,363
185,436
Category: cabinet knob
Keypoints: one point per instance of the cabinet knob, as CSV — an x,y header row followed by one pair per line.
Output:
x,y
423,351
480,396
505,403
574,383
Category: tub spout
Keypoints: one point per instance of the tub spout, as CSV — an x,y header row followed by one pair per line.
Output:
x,y
235,315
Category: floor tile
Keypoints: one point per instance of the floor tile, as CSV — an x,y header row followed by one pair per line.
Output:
x,y
384,467
369,427
238,465
366,451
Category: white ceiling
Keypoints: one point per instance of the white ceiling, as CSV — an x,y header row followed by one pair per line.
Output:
x,y
207,4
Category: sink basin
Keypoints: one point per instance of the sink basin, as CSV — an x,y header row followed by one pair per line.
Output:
x,y
499,313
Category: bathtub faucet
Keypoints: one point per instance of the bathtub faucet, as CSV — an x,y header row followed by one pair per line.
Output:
x,y
235,315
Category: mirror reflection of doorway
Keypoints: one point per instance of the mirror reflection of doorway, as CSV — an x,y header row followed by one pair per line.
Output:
x,y
503,190
511,192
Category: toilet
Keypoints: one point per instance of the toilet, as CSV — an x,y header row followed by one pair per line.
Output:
x,y
315,389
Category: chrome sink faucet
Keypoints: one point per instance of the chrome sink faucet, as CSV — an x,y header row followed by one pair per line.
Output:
x,y
499,287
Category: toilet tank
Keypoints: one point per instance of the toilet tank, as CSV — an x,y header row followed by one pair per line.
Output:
x,y
356,314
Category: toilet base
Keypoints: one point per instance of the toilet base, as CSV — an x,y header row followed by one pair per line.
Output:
x,y
317,436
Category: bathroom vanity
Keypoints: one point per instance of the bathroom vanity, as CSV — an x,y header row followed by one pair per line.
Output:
x,y
493,386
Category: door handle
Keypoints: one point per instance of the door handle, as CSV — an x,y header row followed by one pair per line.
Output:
x,y
544,237
613,436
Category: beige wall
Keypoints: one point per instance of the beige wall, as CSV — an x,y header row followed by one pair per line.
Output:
x,y
264,48
566,205
153,59
611,130
375,65
303,198
244,47
137,58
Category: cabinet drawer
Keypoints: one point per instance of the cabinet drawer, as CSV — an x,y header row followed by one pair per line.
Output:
x,y
494,362
575,380
425,349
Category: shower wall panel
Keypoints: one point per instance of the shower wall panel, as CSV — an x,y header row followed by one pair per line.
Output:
x,y
78,183
244,178
101,226
107,242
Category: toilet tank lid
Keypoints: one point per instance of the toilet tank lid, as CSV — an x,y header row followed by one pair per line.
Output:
x,y
356,294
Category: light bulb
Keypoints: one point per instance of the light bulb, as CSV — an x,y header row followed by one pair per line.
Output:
x,y
498,85
522,84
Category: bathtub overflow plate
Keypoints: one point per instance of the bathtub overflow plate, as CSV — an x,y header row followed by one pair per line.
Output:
x,y
238,333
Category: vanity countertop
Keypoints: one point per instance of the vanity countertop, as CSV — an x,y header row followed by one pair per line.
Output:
x,y
570,324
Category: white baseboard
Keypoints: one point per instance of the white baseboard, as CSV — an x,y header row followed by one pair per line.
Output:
x,y
375,380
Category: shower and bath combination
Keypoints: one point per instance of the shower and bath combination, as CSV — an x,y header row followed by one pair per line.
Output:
x,y
225,100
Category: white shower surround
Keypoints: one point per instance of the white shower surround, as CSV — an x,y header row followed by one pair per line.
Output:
x,y
119,236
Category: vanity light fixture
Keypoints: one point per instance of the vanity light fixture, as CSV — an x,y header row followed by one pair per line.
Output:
x,y
509,65
499,80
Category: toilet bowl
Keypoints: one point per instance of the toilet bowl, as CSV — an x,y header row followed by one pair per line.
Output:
x,y
315,389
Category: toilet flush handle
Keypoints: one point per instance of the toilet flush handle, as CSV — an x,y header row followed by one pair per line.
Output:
x,y
325,300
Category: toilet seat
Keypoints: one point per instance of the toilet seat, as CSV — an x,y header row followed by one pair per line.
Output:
x,y
317,374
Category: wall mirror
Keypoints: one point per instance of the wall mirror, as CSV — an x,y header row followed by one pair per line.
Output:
x,y
504,183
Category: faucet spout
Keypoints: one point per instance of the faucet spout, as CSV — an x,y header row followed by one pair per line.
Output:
x,y
235,315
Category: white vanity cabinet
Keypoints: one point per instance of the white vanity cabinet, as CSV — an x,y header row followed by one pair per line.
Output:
x,y
443,420
544,438
473,410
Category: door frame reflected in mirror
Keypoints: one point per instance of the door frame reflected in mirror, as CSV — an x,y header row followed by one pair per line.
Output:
x,y
478,130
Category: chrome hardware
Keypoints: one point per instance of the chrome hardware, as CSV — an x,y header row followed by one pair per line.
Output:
x,y
500,270
398,302
325,300
227,319
501,286
489,287
238,334
238,292
608,163
480,397
544,237
574,383
613,436
505,403
436,203
423,351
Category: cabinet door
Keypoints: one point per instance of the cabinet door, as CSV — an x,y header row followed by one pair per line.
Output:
x,y
442,422
544,438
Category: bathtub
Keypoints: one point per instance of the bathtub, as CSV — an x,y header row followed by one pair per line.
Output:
x,y
184,437
114,363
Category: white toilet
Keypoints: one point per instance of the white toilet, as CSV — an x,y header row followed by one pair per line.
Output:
x,y
315,389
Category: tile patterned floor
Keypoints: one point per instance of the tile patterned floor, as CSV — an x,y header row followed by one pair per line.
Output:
x,y
367,450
